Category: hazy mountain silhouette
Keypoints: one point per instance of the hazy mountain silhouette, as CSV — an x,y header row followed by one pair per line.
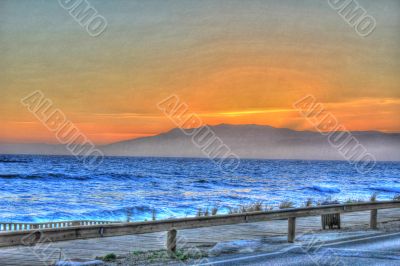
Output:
x,y
247,141
255,141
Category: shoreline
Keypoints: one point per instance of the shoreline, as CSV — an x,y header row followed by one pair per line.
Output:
x,y
210,210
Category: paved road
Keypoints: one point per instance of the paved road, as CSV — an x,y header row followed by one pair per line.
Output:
x,y
377,250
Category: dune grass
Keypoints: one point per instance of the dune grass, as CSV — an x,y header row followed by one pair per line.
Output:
x,y
259,206
373,197
309,202
109,257
286,204
252,207
152,256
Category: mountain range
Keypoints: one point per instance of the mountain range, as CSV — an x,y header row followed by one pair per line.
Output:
x,y
246,141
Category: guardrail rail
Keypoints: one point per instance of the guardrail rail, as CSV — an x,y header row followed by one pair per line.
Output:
x,y
74,231
31,226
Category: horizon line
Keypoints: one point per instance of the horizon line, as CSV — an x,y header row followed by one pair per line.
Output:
x,y
205,125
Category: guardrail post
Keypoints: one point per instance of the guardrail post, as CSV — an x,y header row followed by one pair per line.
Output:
x,y
171,241
291,229
374,219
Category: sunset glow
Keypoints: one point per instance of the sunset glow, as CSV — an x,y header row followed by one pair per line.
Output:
x,y
229,64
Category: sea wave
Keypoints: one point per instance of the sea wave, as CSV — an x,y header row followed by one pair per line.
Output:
x,y
56,191
387,189
11,161
325,189
42,176
77,176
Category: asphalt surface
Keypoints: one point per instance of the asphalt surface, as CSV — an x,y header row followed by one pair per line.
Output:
x,y
382,249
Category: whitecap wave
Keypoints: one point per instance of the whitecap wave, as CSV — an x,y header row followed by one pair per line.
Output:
x,y
387,189
325,189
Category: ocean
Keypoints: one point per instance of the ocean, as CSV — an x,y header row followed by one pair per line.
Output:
x,y
55,188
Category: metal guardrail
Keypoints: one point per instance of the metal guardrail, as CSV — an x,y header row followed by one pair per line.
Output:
x,y
33,226
31,237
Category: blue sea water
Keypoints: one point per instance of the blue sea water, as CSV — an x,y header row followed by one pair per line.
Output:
x,y
56,188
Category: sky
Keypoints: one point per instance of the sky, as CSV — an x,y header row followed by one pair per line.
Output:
x,y
230,61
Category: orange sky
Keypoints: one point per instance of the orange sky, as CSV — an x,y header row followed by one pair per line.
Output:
x,y
233,62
